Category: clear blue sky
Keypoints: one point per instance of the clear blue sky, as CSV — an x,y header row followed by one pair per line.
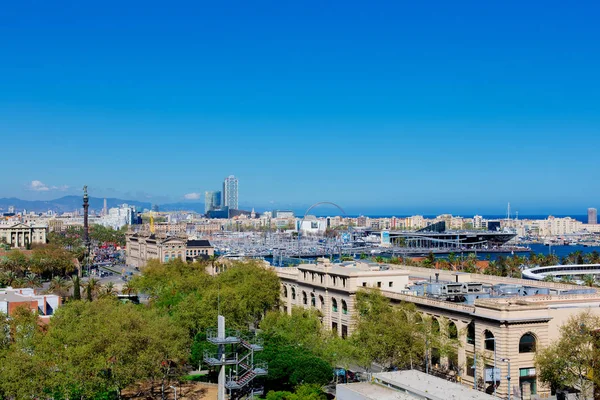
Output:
x,y
412,107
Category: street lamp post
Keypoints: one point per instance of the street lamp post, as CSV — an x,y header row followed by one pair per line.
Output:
x,y
175,390
427,356
494,369
507,360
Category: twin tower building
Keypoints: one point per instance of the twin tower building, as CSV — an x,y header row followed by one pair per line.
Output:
x,y
226,199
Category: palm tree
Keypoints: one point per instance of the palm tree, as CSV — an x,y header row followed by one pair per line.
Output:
x,y
59,286
453,261
588,280
533,259
19,283
92,286
108,290
594,257
32,280
549,278
429,261
8,278
566,279
128,289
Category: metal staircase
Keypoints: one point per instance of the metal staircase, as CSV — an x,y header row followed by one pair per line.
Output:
x,y
237,354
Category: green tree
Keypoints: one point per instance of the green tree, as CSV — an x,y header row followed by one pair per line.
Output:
x,y
385,334
52,260
589,280
15,261
302,392
302,329
429,261
76,288
22,376
243,293
59,286
569,361
32,280
124,344
290,365
92,288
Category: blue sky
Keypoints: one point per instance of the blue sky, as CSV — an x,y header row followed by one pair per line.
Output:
x,y
413,107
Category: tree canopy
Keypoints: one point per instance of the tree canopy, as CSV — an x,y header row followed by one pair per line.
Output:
x,y
193,298
569,361
89,348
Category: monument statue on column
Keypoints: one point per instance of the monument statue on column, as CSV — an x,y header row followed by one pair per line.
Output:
x,y
86,230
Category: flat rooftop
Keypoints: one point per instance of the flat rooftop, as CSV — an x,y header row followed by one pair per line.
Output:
x,y
370,391
428,386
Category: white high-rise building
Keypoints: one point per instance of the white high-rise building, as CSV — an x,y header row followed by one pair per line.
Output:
x,y
116,218
230,192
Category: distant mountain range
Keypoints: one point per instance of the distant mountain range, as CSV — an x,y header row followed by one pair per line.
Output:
x,y
72,203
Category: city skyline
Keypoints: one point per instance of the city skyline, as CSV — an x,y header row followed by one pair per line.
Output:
x,y
469,106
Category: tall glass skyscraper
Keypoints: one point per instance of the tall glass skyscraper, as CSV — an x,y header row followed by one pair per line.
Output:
x,y
592,216
230,192
212,201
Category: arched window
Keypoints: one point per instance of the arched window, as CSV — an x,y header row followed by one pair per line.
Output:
x,y
344,307
452,330
321,302
285,293
527,343
418,318
435,326
313,301
293,294
304,298
490,340
334,305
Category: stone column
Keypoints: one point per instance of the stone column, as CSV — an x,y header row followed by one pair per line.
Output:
x,y
461,327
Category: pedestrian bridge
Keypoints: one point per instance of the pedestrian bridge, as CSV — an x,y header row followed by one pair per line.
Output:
x,y
577,271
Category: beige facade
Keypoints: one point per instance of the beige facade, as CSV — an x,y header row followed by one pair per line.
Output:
x,y
20,235
515,326
332,289
141,248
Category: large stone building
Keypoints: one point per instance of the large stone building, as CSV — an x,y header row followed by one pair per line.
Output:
x,y
20,235
141,248
493,317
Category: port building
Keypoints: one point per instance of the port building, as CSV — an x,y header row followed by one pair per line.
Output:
x,y
141,248
493,318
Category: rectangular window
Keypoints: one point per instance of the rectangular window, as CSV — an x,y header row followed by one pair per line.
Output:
x,y
364,284
344,331
334,328
379,284
469,367
391,284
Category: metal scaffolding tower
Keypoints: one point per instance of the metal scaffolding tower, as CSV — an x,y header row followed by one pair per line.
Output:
x,y
236,354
